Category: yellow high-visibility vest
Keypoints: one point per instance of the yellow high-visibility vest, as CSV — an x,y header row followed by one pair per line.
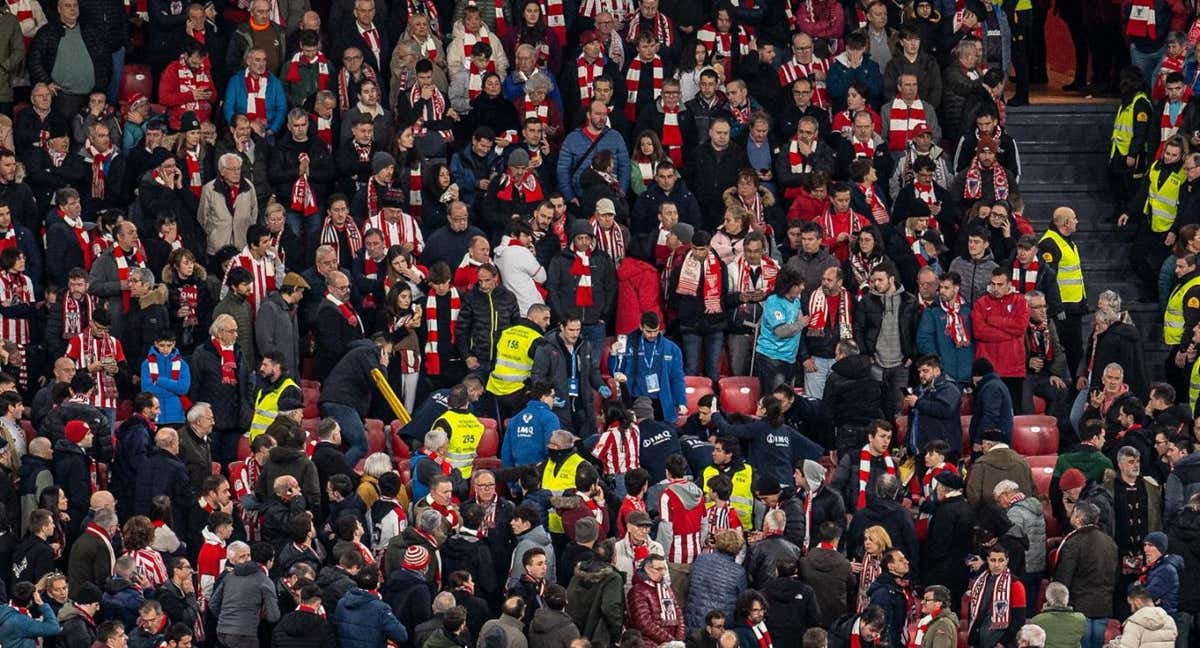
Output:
x,y
266,408
1070,270
465,434
513,364
1194,385
742,499
558,480
1122,134
1162,201
1173,315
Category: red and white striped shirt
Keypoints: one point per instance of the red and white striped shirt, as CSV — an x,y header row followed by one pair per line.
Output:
x,y
151,564
16,289
404,230
266,274
681,506
618,449
85,349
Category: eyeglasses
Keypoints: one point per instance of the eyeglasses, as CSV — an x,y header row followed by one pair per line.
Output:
x,y
487,485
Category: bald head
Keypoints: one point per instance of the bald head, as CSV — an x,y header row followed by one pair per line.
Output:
x,y
102,500
40,448
167,439
1065,220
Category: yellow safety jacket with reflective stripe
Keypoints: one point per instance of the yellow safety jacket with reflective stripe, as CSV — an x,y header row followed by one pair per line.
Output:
x,y
742,499
1194,384
465,433
1123,125
1162,197
558,479
1070,271
266,407
1173,315
513,360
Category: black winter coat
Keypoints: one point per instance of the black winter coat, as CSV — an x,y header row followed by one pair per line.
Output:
x,y
895,519
336,334
44,50
853,392
709,174
410,596
284,166
334,583
476,317
950,539
303,629
350,383
793,609
840,630
1184,540
692,315
1120,343
828,572
163,473
887,594
282,461
869,319
231,404
472,554
561,286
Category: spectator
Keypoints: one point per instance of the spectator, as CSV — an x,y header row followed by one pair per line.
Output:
x,y
361,619
1087,566
1064,626
1149,625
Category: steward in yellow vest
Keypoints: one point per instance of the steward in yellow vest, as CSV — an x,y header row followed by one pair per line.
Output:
x,y
514,359
558,473
727,463
276,393
1057,250
463,429
1157,202
1183,306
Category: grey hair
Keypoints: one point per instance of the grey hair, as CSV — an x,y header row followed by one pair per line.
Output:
x,y
1112,297
1115,367
525,47
1058,594
1005,486
105,517
435,439
250,52
1032,636
296,113
142,275
1107,316
220,322
226,160
1034,294
774,520
443,602
1087,513
1129,452
236,547
410,46
124,566
537,82
887,486
429,520
847,347
197,411
377,464
324,251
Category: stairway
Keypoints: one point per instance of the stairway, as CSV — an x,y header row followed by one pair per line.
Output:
x,y
1064,150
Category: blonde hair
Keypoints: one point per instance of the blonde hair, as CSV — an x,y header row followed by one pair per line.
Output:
x,y
729,542
879,536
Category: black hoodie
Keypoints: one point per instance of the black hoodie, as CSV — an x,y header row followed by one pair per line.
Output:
x,y
853,392
303,629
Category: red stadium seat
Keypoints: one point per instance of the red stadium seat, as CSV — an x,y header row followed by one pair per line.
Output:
x,y
1035,434
376,437
489,445
696,387
723,366
967,401
311,396
135,79
740,394
243,449
310,384
1042,467
485,463
399,448
1039,405
965,421
215,468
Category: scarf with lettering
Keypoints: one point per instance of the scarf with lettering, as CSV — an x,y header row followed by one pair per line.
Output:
x,y
693,272
475,78
669,614
435,111
303,198
73,318
528,189
16,289
1000,594
256,97
664,31
331,235
433,359
123,266
99,161
954,323
973,187
818,315
871,568
228,362
344,83
1143,20
633,78
1031,276
189,300
610,240
585,73
581,267
864,474
1037,340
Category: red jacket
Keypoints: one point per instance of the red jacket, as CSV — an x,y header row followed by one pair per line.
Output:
x,y
806,208
998,326
178,102
643,611
638,292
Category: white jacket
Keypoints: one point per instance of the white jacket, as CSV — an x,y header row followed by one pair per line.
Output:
x,y
1149,627
624,561
520,272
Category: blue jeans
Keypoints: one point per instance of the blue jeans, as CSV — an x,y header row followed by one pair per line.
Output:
x,y
1147,62
306,227
114,85
814,382
595,335
712,343
353,431
1077,407
1093,636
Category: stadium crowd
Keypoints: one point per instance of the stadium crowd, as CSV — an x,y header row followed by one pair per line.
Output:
x,y
587,323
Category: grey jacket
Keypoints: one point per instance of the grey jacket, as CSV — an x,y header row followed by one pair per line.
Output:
x,y
508,627
242,313
242,597
276,329
105,284
976,274
535,537
1027,516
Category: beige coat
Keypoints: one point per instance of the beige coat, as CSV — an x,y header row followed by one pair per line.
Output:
x,y
222,227
1149,627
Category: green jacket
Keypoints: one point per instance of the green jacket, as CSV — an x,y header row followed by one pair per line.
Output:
x,y
942,631
12,52
1092,463
439,640
1064,626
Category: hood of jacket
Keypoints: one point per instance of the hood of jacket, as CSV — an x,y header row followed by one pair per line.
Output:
x,y
285,455
69,611
248,568
460,548
729,197
631,268
546,621
855,367
1150,617
156,296
357,599
591,573
1187,525
198,275
1172,560
536,535
63,445
782,589
31,465
331,574
116,584
689,493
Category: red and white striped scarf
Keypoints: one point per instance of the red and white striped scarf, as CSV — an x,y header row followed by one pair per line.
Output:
x,y
973,186
403,231
195,181
469,41
611,240
344,82
664,31
721,43
415,184
818,314
864,473
618,449
669,612
228,362
72,315
555,20
90,350
923,626
693,272
433,361
264,272
347,311
633,78
303,200
794,69
864,149
585,73
871,568
256,97
434,112
581,267
123,266
331,235
1166,127
761,634
925,491
410,361
189,79
427,8
475,78
16,289
1001,592
618,8
768,270
902,118
1143,20
99,161
955,330
539,111
1025,279
797,161
23,10
152,366
879,211
672,135
322,63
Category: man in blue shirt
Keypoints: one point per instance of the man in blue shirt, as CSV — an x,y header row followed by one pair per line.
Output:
x,y
529,430
651,368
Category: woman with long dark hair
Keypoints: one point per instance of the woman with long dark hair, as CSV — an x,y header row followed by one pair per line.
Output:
x,y
532,29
